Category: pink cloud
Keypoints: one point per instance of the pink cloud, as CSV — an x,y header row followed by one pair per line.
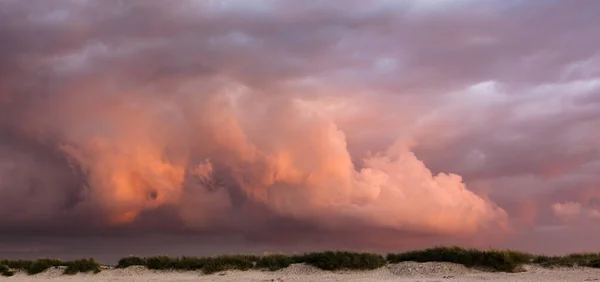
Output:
x,y
237,118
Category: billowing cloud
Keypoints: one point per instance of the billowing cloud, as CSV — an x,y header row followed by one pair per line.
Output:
x,y
395,122
138,154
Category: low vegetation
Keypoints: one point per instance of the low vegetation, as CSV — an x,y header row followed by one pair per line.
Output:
x,y
493,260
222,263
31,267
41,265
130,261
5,271
276,261
82,265
344,260
208,265
583,259
490,260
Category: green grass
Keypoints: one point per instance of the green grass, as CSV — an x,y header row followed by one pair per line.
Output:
x,y
41,265
207,265
191,263
33,267
162,262
490,260
582,259
17,263
82,265
130,261
272,262
229,262
494,260
344,260
275,261
5,271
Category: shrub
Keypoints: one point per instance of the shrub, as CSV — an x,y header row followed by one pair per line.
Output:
x,y
298,258
229,262
594,263
274,262
495,260
130,261
17,263
344,260
584,259
571,260
161,263
42,265
552,261
82,265
5,271
191,263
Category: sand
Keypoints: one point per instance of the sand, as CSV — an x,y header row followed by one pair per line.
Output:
x,y
407,271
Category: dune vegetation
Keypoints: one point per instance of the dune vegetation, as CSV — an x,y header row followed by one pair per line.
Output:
x,y
8,267
489,260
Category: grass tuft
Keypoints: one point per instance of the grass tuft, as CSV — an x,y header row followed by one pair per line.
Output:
x,y
229,262
161,263
41,265
491,260
344,260
274,262
191,263
33,267
572,260
5,271
495,260
130,261
82,265
17,263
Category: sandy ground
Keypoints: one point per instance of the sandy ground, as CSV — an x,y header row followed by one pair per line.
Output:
x,y
407,271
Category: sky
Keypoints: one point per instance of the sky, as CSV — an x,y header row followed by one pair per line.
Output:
x,y
227,126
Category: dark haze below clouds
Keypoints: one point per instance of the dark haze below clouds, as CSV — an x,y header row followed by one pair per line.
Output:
x,y
230,126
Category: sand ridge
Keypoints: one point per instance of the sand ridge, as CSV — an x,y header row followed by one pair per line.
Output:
x,y
405,271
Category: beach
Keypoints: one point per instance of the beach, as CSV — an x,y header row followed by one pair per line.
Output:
x,y
406,271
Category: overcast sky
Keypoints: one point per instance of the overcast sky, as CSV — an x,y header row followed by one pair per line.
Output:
x,y
218,126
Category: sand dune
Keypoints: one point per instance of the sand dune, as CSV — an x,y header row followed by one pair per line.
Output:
x,y
407,271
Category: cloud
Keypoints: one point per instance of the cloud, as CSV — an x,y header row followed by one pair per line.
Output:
x,y
572,211
567,210
223,118
286,158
